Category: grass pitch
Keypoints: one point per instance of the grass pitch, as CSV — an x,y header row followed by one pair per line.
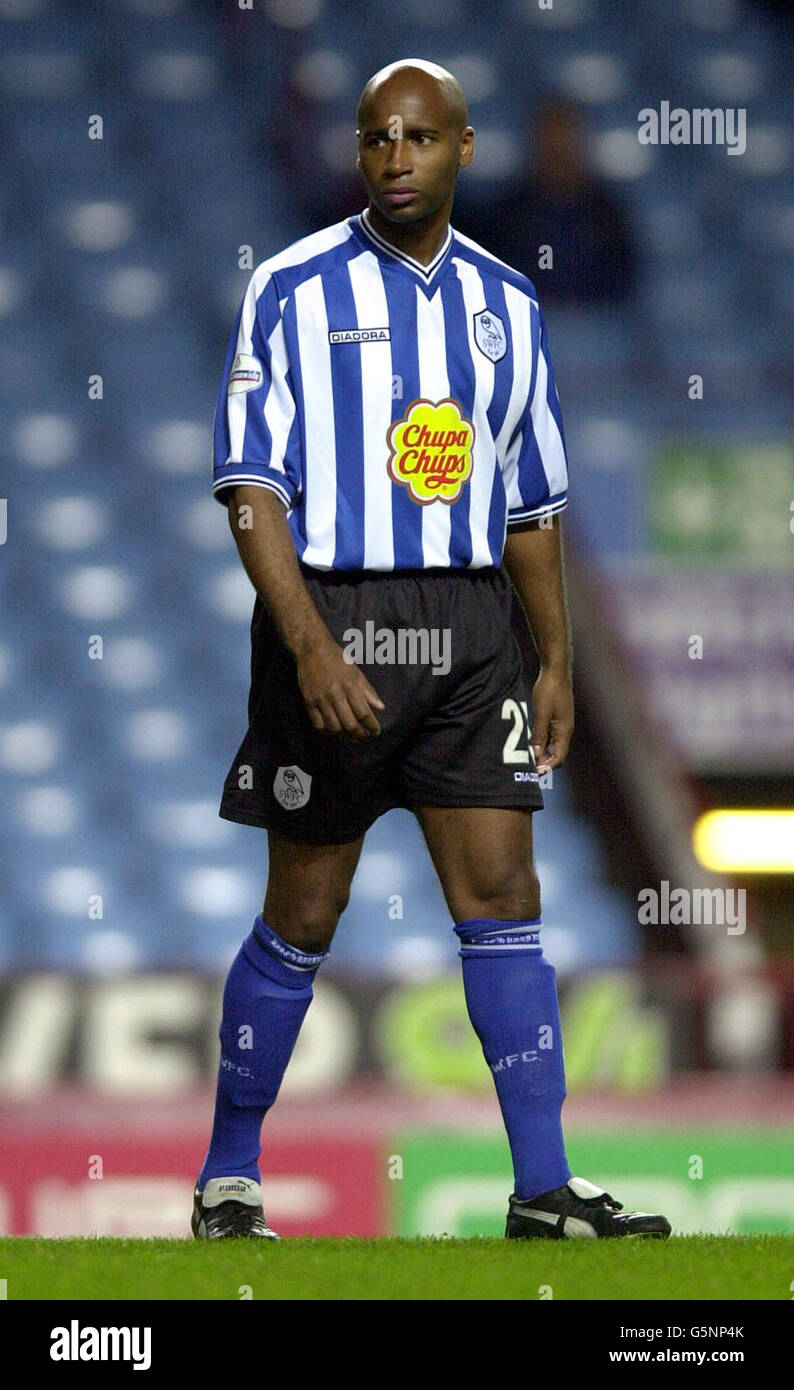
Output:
x,y
684,1267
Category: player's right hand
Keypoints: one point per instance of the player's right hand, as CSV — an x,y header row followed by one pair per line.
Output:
x,y
337,694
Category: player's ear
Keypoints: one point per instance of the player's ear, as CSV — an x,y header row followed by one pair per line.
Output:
x,y
466,145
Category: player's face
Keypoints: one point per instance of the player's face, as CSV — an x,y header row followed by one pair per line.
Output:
x,y
409,151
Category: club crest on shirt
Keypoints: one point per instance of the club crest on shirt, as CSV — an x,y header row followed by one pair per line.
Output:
x,y
430,451
490,335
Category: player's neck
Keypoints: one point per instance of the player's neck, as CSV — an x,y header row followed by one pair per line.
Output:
x,y
422,240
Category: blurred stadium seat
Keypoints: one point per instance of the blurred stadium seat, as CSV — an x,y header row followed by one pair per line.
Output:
x,y
124,258
139,231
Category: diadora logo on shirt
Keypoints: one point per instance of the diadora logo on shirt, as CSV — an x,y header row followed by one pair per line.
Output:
x,y
430,451
292,787
246,374
359,335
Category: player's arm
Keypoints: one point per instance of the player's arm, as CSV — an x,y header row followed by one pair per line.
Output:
x,y
337,695
533,559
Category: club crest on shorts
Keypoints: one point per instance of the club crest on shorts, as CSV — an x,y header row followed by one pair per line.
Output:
x,y
490,335
292,787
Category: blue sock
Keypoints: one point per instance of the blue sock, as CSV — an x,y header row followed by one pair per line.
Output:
x,y
267,993
511,997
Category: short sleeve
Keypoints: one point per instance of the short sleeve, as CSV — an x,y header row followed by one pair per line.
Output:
x,y
537,464
256,436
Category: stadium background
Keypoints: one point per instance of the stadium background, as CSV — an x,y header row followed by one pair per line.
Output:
x,y
125,247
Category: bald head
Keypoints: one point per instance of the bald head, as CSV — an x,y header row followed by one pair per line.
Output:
x,y
427,80
413,137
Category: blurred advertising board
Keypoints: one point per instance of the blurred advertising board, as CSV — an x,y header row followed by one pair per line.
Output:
x,y
705,614
717,501
715,654
111,1182
703,1180
156,1034
408,1182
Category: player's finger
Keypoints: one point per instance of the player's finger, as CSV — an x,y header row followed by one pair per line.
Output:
x,y
347,718
540,738
363,713
330,720
372,695
315,715
557,751
368,723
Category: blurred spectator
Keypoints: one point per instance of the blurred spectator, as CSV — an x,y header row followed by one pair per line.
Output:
x,y
320,192
781,9
559,202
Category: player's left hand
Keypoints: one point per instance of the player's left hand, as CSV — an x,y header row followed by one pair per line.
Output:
x,y
552,707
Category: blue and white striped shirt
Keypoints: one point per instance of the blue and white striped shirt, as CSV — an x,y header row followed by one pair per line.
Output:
x,y
404,414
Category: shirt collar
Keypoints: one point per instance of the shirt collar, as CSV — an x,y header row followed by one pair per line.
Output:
x,y
426,272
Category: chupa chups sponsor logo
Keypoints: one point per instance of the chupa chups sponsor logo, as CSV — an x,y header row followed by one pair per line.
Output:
x,y
430,451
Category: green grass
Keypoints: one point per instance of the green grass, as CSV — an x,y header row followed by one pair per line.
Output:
x,y
684,1267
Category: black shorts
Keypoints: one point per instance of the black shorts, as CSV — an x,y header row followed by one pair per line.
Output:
x,y
439,649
